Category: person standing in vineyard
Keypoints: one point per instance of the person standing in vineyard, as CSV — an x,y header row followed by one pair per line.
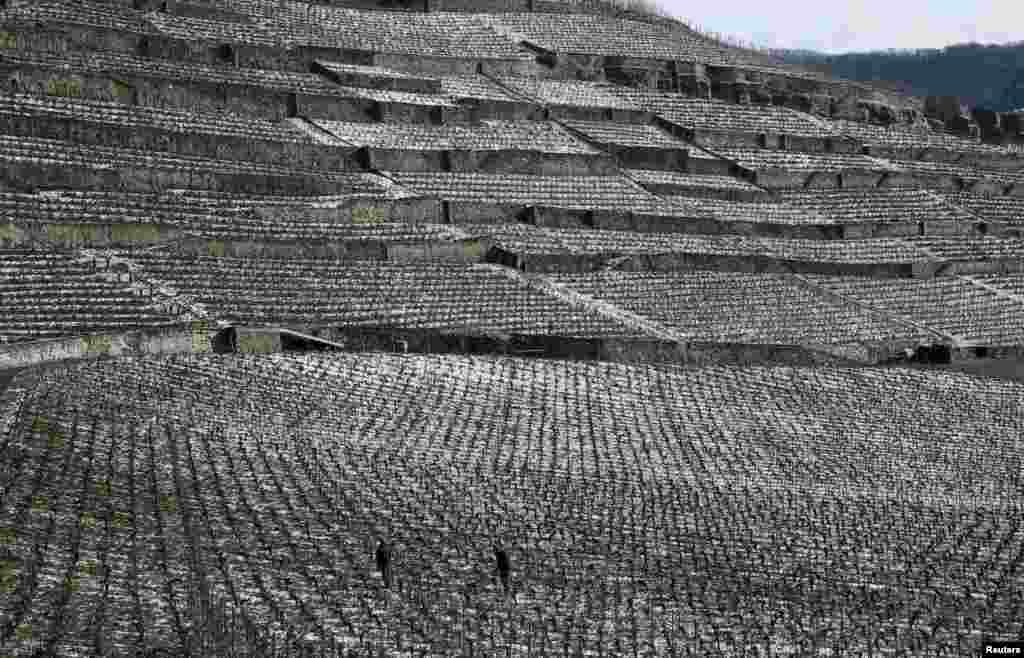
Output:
x,y
384,562
501,557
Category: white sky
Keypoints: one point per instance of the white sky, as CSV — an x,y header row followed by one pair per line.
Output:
x,y
857,26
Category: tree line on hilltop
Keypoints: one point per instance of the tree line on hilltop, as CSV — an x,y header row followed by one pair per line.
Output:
x,y
989,76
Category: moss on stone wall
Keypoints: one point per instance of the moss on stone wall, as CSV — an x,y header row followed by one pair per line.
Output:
x,y
65,88
96,344
8,40
472,249
8,233
361,215
41,424
71,232
134,233
201,337
121,90
255,344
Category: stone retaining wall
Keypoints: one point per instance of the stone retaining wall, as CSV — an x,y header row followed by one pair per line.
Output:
x,y
361,211
222,147
194,338
79,38
465,212
622,350
214,54
196,96
488,161
202,337
33,176
683,262
639,157
531,162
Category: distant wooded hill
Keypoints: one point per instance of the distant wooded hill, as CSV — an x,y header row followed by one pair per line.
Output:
x,y
991,76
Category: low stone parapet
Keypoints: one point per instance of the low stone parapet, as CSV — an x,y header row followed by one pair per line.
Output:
x,y
619,350
680,260
219,146
188,339
530,162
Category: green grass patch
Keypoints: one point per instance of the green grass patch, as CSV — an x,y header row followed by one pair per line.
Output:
x,y
8,233
255,344
40,425
201,337
71,232
96,344
55,439
88,520
121,519
8,582
472,249
167,504
103,488
64,88
134,233
363,215
121,90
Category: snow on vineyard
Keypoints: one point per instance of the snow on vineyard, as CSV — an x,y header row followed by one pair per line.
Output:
x,y
646,510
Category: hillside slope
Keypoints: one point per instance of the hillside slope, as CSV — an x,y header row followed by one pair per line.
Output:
x,y
594,297
659,511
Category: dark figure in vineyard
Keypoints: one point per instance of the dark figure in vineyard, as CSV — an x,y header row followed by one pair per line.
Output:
x,y
501,557
384,562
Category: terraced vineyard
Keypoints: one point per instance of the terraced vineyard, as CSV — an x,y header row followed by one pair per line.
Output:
x,y
647,511
495,328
